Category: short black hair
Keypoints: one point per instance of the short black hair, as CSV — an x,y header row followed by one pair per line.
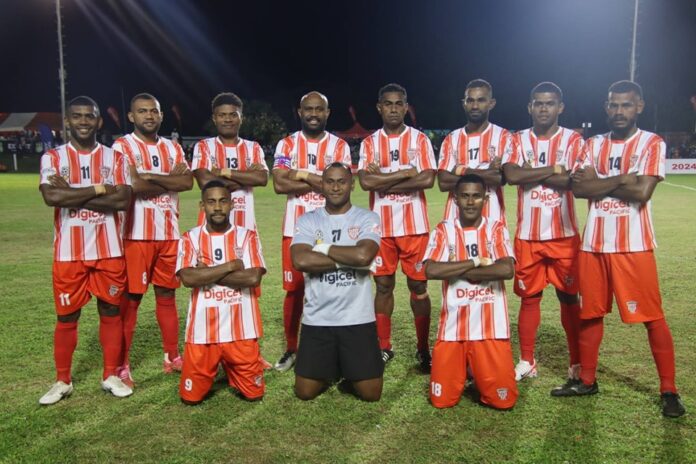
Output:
x,y
142,96
470,179
212,184
83,100
479,83
226,98
546,87
392,87
626,86
339,165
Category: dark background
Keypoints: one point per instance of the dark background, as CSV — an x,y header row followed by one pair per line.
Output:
x,y
185,52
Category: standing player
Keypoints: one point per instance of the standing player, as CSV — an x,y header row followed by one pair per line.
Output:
x,y
335,246
547,242
476,148
618,173
472,256
158,172
223,264
88,184
396,166
229,159
299,161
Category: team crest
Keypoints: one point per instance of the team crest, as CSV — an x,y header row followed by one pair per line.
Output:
x,y
318,237
113,290
632,306
560,156
502,393
568,280
64,172
138,160
411,153
258,380
329,159
293,163
353,232
239,252
452,254
530,156
419,266
105,171
248,160
633,160
492,151
171,161
455,154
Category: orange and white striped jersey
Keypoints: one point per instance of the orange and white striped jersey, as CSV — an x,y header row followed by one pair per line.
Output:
x,y
545,213
220,314
471,310
615,225
151,217
211,153
297,152
476,152
81,234
400,213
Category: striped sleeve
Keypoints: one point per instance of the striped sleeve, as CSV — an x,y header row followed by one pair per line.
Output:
x,y
447,161
186,257
426,160
179,157
585,158
121,169
576,146
201,157
258,157
282,158
513,153
654,162
49,166
437,244
252,255
366,153
500,242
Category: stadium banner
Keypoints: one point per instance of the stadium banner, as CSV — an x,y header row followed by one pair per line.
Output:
x,y
681,166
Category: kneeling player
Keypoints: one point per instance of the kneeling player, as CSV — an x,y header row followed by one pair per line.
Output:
x,y
335,246
472,257
223,265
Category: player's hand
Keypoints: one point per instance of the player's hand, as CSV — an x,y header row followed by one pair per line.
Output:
x,y
527,165
215,172
235,265
179,169
292,174
410,172
629,179
495,163
110,189
560,170
584,174
373,168
256,167
57,181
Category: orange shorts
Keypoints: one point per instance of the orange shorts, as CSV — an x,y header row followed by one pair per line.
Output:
x,y
151,261
292,278
539,263
240,359
409,249
74,283
492,366
631,278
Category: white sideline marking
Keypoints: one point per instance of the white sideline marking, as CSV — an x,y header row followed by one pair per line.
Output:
x,y
680,186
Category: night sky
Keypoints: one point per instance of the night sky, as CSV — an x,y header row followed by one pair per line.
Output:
x,y
185,52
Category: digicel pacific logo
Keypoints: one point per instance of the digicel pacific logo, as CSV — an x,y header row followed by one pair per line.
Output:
x,y
312,196
238,201
84,214
163,201
473,293
545,196
609,205
219,294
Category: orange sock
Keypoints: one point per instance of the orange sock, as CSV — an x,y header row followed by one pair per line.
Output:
x,y
64,343
384,331
110,337
528,324
168,321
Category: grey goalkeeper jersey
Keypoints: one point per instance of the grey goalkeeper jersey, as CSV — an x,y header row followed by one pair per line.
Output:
x,y
344,296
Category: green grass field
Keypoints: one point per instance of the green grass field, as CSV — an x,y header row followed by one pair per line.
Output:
x,y
621,424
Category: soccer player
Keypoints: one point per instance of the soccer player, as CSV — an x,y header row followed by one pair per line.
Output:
x,y
87,184
547,241
223,265
298,163
472,256
396,165
158,172
477,148
618,173
237,163
335,246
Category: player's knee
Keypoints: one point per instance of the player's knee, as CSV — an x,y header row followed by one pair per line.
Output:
x,y
107,309
305,394
135,296
385,286
164,292
191,402
370,396
417,287
567,298
72,317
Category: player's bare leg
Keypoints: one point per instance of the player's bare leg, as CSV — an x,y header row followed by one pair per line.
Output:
x,y
168,321
110,337
570,319
420,306
307,389
384,307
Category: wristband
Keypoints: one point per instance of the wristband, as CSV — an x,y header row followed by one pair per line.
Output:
x,y
226,172
460,170
477,261
557,168
99,189
302,175
322,248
